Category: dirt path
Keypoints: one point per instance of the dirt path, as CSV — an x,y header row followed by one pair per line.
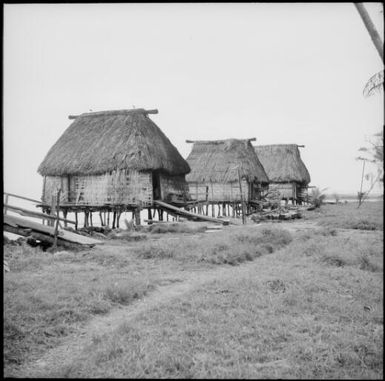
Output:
x,y
183,283
73,345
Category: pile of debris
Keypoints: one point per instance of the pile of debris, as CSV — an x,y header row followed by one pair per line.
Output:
x,y
270,208
280,213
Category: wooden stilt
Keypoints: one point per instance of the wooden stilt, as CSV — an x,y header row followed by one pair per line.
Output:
x,y
108,218
65,217
149,214
117,218
113,219
137,216
76,220
166,216
91,219
101,219
85,219
224,209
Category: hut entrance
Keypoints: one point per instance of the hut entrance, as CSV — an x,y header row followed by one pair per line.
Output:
x,y
156,186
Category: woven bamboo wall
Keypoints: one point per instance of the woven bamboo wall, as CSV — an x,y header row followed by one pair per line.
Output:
x,y
127,187
227,192
51,186
287,190
171,185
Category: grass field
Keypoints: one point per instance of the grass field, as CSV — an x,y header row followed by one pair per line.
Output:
x,y
305,304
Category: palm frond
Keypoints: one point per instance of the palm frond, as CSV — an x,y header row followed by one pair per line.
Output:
x,y
375,84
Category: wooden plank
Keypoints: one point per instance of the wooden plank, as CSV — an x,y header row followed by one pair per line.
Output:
x,y
17,221
22,197
190,215
30,213
48,230
77,238
16,230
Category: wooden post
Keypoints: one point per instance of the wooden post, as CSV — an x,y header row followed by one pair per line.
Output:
x,y
76,220
65,217
51,211
108,218
113,219
149,214
242,203
91,218
137,216
101,219
6,202
160,214
57,219
118,218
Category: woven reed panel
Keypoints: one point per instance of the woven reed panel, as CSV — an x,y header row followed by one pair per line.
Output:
x,y
218,192
285,189
122,187
173,185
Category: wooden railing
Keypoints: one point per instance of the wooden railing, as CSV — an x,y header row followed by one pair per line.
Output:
x,y
29,213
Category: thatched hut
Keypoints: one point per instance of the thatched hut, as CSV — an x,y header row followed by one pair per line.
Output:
x,y
286,171
220,169
113,159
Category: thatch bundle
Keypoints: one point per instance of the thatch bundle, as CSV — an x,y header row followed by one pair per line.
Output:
x,y
96,143
217,161
282,163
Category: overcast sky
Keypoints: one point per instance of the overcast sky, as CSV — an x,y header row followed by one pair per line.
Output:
x,y
283,73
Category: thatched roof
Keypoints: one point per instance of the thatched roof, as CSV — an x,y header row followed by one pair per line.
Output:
x,y
218,161
282,163
99,142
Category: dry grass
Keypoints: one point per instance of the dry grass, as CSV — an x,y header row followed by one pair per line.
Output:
x,y
311,306
228,247
294,316
175,228
46,296
346,216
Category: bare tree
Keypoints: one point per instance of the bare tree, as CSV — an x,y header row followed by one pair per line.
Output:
x,y
373,153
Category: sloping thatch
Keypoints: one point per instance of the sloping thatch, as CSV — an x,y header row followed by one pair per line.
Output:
x,y
282,163
217,161
97,143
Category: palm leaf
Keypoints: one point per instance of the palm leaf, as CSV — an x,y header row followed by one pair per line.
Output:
x,y
374,84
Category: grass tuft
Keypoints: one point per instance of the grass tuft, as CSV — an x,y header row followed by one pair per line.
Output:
x,y
126,292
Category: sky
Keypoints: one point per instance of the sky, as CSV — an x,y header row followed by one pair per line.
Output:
x,y
282,73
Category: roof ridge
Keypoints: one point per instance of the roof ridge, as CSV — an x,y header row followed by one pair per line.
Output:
x,y
115,112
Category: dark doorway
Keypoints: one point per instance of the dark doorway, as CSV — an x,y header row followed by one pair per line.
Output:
x,y
156,186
